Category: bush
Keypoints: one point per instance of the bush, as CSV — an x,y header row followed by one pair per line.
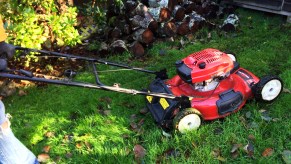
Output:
x,y
37,23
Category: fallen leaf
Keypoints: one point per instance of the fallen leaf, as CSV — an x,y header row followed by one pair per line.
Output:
x,y
22,93
25,82
276,119
108,100
127,151
107,112
249,149
235,147
143,111
79,145
220,158
194,144
248,114
46,148
88,145
125,136
262,110
49,134
171,153
209,35
218,131
133,117
267,152
251,137
133,125
216,152
285,90
265,115
286,155
162,52
43,157
69,155
235,154
139,151
141,122
253,125
243,121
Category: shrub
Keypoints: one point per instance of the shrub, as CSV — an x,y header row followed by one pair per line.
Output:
x,y
37,23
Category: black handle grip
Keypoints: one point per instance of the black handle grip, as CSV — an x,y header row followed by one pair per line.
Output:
x,y
26,73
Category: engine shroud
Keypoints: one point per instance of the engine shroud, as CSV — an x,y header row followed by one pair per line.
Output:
x,y
204,65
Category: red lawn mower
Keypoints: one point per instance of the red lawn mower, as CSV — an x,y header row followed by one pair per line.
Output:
x,y
209,85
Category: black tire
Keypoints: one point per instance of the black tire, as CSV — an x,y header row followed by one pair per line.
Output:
x,y
268,88
187,120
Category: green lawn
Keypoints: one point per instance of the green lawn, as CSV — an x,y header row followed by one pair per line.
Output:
x,y
93,126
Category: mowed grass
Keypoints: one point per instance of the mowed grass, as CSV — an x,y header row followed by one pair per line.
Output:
x,y
81,125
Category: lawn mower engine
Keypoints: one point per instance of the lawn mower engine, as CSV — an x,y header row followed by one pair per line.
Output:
x,y
213,86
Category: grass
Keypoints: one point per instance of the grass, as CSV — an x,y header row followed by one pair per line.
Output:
x,y
71,121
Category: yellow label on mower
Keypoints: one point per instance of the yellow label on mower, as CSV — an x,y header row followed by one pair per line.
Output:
x,y
150,99
164,103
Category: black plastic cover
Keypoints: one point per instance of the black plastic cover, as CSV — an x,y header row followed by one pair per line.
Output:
x,y
158,112
229,101
184,72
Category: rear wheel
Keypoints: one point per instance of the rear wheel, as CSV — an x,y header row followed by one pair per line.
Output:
x,y
187,120
268,88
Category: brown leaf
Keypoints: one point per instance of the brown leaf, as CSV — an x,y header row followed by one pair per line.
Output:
x,y
244,122
251,137
43,157
79,145
216,152
88,145
127,151
170,153
234,150
267,152
133,117
141,122
69,155
46,148
107,112
133,125
194,144
22,93
139,151
108,100
144,110
218,131
235,154
49,134
220,158
25,82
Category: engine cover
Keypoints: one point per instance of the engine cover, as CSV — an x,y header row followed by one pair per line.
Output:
x,y
204,65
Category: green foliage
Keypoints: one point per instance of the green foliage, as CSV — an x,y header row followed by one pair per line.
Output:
x,y
96,10
37,23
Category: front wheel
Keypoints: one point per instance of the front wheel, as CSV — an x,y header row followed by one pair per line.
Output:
x,y
187,120
268,88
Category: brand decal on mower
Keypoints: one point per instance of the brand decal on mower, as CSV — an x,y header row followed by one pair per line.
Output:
x,y
164,103
149,98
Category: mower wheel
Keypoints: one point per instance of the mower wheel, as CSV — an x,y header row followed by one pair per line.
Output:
x,y
268,88
187,120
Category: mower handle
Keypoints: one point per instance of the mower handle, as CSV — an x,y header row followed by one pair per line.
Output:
x,y
162,74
